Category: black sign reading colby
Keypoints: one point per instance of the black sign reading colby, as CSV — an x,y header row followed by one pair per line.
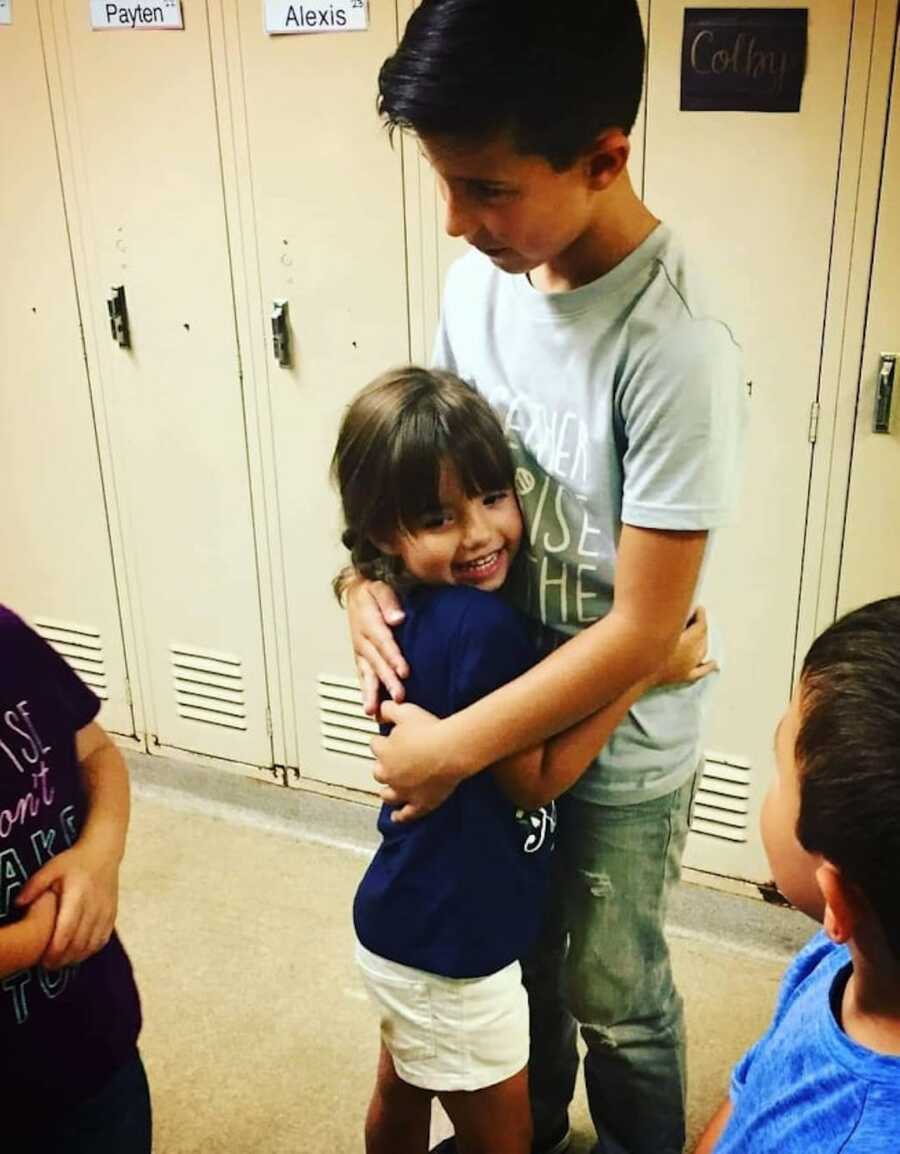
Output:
x,y
744,59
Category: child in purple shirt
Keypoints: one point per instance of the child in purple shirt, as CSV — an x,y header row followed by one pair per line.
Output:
x,y
72,1080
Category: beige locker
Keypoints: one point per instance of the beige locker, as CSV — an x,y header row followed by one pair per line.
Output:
x,y
141,154
754,197
324,206
870,564
56,567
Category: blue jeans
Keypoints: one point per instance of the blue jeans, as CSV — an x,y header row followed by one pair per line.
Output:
x,y
116,1120
602,962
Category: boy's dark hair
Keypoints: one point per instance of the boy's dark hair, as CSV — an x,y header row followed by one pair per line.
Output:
x,y
848,755
553,74
394,439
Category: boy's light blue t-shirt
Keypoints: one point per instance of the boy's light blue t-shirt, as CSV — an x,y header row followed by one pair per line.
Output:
x,y
623,402
805,1086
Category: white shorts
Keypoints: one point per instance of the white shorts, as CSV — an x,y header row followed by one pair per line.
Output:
x,y
448,1034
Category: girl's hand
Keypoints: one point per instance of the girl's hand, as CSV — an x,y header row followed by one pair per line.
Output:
x,y
410,765
87,887
688,663
372,608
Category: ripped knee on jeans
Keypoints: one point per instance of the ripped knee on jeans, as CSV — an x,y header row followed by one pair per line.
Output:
x,y
600,885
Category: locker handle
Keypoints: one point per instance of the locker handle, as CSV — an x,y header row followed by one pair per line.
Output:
x,y
118,316
884,393
281,337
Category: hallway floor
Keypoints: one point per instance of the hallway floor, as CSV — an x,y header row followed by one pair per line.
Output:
x,y
258,1038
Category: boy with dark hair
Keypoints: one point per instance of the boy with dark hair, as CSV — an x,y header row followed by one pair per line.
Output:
x,y
826,1076
622,398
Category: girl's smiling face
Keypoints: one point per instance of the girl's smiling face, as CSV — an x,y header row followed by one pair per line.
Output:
x,y
466,541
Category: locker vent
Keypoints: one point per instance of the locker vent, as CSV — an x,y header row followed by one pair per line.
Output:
x,y
81,647
343,725
209,687
722,802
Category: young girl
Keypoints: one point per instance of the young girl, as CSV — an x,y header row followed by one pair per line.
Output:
x,y
451,902
71,1075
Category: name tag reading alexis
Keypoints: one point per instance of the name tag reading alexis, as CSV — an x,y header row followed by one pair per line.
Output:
x,y
5,12
284,18
743,59
162,14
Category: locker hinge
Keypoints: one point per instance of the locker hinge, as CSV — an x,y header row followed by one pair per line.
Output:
x,y
814,422
269,722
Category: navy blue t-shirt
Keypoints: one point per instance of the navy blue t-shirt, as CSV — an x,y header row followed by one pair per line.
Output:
x,y
63,1033
460,892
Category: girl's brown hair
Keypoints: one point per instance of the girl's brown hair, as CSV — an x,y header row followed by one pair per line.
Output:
x,y
393,440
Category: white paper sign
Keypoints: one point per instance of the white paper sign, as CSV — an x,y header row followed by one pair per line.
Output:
x,y
134,15
5,11
283,18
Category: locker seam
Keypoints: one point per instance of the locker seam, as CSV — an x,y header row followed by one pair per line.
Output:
x,y
89,380
255,528
646,112
828,305
892,112
404,215
283,656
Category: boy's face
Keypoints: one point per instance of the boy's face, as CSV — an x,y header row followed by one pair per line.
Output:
x,y
517,210
794,869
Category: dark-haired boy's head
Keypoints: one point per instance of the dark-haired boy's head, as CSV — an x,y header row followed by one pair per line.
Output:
x,y
549,76
523,110
831,822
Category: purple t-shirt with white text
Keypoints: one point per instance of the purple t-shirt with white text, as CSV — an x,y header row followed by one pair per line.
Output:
x,y
63,1034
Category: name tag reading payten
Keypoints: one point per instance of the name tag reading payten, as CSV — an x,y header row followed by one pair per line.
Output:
x,y
161,14
5,12
284,18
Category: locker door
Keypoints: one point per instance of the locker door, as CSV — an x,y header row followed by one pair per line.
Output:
x,y
140,113
328,219
870,563
57,565
753,196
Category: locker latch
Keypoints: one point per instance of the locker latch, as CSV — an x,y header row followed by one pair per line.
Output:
x,y
884,393
281,339
118,316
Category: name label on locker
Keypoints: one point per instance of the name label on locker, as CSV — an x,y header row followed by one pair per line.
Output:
x,y
5,11
743,59
283,18
162,14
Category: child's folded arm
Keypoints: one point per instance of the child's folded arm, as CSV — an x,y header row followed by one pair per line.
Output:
x,y
22,944
538,775
87,875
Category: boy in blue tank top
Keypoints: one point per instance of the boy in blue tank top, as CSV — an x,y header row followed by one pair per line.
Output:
x,y
450,903
826,1076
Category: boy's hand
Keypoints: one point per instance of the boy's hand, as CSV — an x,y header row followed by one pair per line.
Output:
x,y
372,608
87,887
688,663
409,763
